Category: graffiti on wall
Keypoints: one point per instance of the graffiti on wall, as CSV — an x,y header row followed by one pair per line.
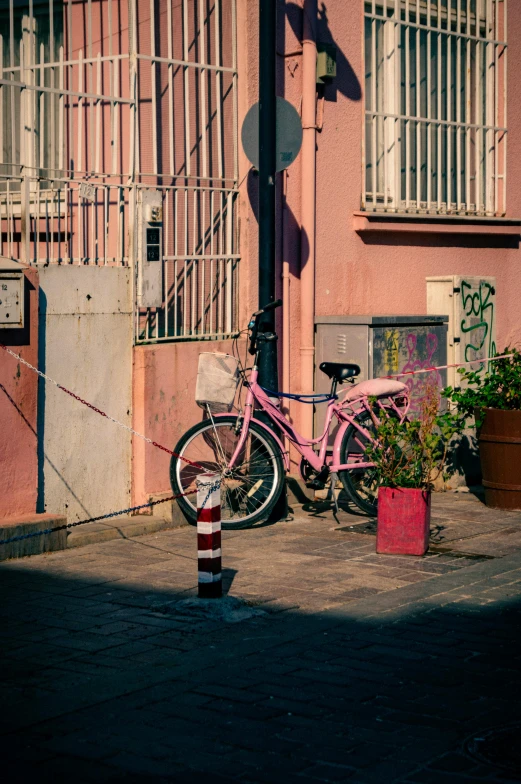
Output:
x,y
402,349
477,324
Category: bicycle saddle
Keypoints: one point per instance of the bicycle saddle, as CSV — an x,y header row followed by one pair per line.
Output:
x,y
340,371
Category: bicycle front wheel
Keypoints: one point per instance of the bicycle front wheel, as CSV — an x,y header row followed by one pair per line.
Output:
x,y
249,490
361,485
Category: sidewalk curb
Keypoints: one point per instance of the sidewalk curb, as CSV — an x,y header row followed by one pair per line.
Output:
x,y
119,528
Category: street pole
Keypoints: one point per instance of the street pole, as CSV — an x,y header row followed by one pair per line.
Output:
x,y
268,369
268,364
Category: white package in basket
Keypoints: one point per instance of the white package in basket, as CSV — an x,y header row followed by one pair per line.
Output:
x,y
217,379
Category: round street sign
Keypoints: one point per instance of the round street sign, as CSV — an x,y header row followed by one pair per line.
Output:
x,y
289,134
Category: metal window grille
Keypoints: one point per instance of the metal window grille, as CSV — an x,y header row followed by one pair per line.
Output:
x,y
435,106
100,98
186,99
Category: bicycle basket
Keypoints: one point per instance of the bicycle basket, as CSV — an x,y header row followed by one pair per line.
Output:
x,y
217,379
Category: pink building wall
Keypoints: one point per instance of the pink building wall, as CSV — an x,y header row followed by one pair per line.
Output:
x,y
18,408
385,273
164,408
355,273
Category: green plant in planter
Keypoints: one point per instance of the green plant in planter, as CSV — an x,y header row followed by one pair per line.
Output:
x,y
494,399
499,388
413,454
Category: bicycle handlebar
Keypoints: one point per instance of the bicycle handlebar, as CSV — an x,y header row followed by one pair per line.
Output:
x,y
254,323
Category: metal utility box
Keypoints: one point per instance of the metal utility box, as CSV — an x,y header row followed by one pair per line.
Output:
x,y
381,345
326,63
470,302
150,249
11,294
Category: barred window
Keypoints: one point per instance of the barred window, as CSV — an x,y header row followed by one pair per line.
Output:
x,y
31,36
435,106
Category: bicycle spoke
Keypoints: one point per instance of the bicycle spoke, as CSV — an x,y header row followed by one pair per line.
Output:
x,y
250,484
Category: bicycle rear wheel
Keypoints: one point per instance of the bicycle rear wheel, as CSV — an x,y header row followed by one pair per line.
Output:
x,y
249,491
361,485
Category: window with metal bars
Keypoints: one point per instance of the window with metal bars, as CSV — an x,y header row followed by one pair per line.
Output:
x,y
435,106
31,34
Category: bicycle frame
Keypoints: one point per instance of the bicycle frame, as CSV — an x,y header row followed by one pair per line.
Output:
x,y
317,460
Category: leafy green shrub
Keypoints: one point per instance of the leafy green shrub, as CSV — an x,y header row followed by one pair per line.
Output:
x,y
500,387
414,453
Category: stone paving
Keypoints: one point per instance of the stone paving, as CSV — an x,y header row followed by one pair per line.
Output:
x,y
324,663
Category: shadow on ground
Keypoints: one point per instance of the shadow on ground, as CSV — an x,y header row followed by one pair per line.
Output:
x,y
103,682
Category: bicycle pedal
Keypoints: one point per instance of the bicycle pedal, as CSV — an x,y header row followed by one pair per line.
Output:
x,y
316,484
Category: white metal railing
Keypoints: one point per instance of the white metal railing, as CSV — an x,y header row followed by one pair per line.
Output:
x,y
100,99
435,106
200,267
67,222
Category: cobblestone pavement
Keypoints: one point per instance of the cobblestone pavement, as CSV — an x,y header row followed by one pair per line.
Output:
x,y
325,662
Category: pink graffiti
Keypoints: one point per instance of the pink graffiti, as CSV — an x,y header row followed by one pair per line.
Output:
x,y
416,384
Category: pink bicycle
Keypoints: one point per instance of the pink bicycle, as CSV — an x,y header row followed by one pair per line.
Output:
x,y
251,458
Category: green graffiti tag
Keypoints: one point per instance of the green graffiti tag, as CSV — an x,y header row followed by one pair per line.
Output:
x,y
478,309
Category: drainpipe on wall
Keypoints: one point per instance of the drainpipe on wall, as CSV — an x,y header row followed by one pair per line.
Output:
x,y
308,211
286,251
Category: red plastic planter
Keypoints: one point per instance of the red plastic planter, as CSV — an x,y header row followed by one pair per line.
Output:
x,y
404,516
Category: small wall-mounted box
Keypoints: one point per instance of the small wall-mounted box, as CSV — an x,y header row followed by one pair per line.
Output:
x,y
150,249
326,63
11,294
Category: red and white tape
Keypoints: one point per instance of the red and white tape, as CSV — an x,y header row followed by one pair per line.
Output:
x,y
209,536
98,410
453,365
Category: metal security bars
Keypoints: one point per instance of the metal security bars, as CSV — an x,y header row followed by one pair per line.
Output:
x,y
101,98
186,99
435,106
200,269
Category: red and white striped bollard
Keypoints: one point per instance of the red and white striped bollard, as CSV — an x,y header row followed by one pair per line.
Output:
x,y
209,536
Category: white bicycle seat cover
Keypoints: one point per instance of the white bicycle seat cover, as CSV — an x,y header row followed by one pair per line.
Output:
x,y
376,387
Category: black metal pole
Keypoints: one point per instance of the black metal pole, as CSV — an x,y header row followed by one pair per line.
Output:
x,y
268,370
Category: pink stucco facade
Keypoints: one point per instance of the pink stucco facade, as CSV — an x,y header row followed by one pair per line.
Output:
x,y
357,272
18,410
360,268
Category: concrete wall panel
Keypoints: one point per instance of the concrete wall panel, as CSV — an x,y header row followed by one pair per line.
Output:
x,y
85,345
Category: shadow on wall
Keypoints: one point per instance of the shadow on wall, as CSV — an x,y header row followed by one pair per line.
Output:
x,y
292,228
464,459
346,82
429,240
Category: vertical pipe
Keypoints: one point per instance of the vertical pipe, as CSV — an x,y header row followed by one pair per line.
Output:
x,y
286,315
308,210
229,261
153,68
61,118
267,177
186,89
170,87
203,78
219,85
505,72
429,109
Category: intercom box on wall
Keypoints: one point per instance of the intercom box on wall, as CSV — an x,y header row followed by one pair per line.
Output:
x,y
11,294
150,249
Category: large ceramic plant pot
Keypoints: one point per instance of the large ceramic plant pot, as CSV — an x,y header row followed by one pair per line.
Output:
x,y
404,516
499,440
